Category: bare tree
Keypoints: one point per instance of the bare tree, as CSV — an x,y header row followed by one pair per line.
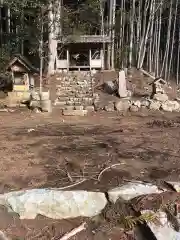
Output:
x,y
132,13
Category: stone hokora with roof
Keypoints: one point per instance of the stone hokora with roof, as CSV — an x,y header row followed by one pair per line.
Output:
x,y
23,73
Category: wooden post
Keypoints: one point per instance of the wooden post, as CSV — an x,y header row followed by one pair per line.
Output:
x,y
13,80
68,60
27,80
90,58
102,58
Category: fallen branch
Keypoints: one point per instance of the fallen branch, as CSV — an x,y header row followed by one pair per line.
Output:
x,y
147,74
69,176
70,186
104,170
74,231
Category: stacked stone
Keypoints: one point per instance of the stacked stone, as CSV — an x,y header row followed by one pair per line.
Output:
x,y
74,92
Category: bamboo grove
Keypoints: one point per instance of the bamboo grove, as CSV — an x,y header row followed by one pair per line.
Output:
x,y
147,35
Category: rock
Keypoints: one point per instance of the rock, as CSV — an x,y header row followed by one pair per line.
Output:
x,y
74,112
35,104
30,130
59,103
69,108
35,96
155,105
137,103
109,107
129,93
93,72
46,105
98,106
79,107
132,190
145,103
163,230
159,85
96,95
160,97
70,103
26,97
3,110
37,110
175,185
110,87
54,204
63,99
87,101
3,95
170,106
122,105
134,108
122,90
89,108
44,96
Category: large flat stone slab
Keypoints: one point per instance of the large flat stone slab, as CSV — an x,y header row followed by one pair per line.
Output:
x,y
53,203
162,228
175,185
132,190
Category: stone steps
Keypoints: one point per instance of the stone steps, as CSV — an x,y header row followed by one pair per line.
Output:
x,y
74,92
88,101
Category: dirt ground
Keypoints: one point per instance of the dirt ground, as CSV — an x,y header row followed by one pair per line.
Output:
x,y
50,150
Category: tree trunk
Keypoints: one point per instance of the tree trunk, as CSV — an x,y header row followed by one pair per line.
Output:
x,y
139,22
123,38
102,31
165,60
143,32
145,37
41,55
110,34
132,12
113,33
151,38
178,60
158,41
172,45
54,31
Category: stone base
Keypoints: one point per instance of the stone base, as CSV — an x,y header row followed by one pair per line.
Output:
x,y
75,112
79,107
90,108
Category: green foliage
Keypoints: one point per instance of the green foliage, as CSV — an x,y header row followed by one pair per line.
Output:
x,y
4,57
19,5
27,16
84,18
130,222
